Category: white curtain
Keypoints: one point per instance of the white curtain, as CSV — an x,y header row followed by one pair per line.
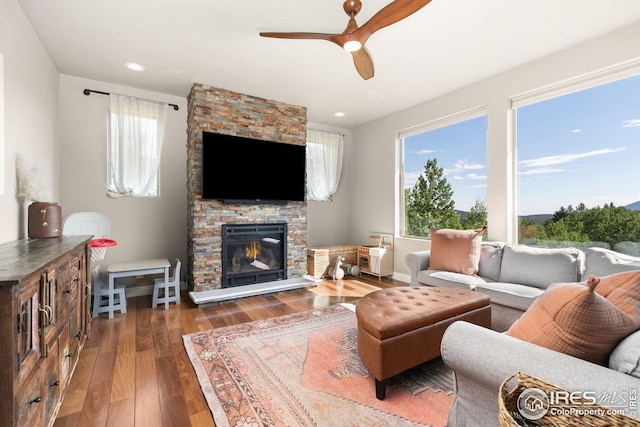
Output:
x,y
324,164
136,133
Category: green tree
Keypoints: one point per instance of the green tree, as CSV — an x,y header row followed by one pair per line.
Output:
x,y
430,202
611,224
477,216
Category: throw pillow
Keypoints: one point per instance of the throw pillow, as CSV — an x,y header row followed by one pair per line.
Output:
x,y
574,319
626,356
455,250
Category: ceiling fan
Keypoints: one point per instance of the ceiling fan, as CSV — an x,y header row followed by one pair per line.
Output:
x,y
353,37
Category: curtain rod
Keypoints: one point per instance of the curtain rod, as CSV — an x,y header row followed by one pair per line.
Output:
x,y
88,92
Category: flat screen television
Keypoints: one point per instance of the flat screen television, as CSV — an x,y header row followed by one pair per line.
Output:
x,y
237,169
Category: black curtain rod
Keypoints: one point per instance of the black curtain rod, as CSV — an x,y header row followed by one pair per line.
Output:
x,y
88,92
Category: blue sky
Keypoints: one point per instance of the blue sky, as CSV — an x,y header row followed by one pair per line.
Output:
x,y
579,148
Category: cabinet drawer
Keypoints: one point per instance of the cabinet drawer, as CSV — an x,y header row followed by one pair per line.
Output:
x,y
52,386
30,403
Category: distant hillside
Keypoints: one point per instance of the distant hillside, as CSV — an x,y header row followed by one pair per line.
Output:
x,y
541,218
538,219
634,206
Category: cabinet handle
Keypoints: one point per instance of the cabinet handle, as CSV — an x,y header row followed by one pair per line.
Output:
x,y
54,384
68,355
47,315
76,279
79,335
68,291
36,400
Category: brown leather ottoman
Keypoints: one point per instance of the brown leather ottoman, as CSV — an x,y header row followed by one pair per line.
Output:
x,y
401,328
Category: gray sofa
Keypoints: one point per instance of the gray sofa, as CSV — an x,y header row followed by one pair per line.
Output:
x,y
482,359
514,276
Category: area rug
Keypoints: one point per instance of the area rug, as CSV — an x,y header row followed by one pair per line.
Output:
x,y
343,288
303,370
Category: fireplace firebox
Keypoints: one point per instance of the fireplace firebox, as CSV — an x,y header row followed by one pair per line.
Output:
x,y
253,253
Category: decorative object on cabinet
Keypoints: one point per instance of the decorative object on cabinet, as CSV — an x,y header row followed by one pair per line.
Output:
x,y
44,321
45,220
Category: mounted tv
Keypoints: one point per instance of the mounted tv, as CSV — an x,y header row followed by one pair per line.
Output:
x,y
236,169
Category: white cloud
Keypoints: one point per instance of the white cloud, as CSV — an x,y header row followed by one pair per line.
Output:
x,y
476,177
631,123
461,166
410,179
540,171
566,158
420,152
576,131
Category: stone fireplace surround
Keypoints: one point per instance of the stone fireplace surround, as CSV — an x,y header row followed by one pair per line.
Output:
x,y
218,110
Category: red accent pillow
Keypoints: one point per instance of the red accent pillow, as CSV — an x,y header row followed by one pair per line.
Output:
x,y
455,250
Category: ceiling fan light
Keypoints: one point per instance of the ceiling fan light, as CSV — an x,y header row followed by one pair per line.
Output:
x,y
352,45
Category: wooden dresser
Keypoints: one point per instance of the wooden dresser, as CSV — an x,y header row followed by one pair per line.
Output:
x,y
44,321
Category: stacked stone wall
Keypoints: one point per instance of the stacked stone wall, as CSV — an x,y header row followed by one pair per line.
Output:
x,y
222,111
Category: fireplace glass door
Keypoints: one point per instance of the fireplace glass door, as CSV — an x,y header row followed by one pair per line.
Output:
x,y
253,253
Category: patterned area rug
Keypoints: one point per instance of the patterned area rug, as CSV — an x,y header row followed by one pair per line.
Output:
x,y
303,370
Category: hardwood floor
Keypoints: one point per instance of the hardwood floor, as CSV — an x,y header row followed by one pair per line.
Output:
x,y
134,370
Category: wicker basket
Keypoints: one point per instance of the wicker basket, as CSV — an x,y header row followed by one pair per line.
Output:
x,y
582,414
318,259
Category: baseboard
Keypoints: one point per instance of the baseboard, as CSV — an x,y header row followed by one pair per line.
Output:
x,y
139,291
402,277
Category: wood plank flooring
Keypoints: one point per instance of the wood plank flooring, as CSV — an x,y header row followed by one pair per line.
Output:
x,y
134,370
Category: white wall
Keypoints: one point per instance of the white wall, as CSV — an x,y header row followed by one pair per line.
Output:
x,y
30,117
374,178
143,227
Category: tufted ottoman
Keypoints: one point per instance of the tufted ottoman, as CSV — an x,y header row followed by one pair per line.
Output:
x,y
401,328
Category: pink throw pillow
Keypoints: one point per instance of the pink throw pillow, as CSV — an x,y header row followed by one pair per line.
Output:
x,y
455,250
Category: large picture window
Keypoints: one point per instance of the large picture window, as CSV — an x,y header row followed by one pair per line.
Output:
x,y
578,168
444,175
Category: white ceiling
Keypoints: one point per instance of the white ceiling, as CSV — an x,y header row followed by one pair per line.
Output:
x,y
446,45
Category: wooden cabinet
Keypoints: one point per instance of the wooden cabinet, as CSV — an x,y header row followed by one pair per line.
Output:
x,y
44,321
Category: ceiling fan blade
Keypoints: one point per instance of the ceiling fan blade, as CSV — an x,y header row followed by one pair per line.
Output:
x,y
363,63
334,38
390,14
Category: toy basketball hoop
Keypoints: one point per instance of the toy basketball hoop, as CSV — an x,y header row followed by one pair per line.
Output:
x,y
99,248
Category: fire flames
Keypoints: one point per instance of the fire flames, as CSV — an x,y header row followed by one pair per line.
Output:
x,y
252,250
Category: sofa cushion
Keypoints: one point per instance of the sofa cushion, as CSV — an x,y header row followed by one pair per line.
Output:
x,y
540,267
510,294
455,250
626,356
448,279
573,318
490,259
603,262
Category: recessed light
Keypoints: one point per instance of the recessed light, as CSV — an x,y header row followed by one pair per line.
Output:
x,y
133,66
339,114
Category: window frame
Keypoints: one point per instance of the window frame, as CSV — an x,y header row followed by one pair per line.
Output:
x,y
561,88
429,126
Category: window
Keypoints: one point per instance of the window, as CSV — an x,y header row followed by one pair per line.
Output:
x,y
324,164
577,168
135,144
444,175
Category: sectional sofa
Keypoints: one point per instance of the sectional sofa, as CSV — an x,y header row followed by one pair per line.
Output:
x,y
515,276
